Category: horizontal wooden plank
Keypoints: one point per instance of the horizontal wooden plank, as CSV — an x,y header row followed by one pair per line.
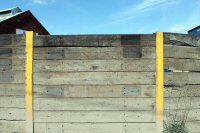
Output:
x,y
94,116
90,53
182,39
99,103
104,127
5,64
19,127
97,127
12,77
79,116
182,64
12,126
94,78
81,103
94,40
182,91
10,114
5,40
5,52
12,40
80,91
83,53
190,115
7,77
12,89
87,65
100,90
182,78
193,127
184,52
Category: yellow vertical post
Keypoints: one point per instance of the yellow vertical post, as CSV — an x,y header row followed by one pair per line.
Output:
x,y
159,81
29,82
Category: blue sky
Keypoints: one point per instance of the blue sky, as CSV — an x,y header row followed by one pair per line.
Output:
x,y
112,16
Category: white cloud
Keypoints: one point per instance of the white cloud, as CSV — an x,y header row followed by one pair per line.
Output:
x,y
178,28
42,2
141,8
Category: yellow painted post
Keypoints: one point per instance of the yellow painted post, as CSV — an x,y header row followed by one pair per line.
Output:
x,y
29,82
159,81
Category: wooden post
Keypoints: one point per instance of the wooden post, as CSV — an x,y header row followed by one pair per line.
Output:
x,y
29,82
159,81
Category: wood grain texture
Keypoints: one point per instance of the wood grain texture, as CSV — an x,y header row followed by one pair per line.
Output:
x,y
182,39
94,78
18,127
95,116
82,53
81,103
182,52
98,103
79,116
182,64
182,78
86,65
5,40
94,40
90,91
109,127
12,77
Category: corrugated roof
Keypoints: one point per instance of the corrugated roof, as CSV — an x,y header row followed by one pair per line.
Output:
x,y
9,13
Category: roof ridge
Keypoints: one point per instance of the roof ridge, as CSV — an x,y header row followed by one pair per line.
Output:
x,y
9,9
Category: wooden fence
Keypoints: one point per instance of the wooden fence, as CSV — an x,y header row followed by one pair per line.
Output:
x,y
98,83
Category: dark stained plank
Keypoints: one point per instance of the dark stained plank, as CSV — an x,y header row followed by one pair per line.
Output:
x,y
95,40
182,39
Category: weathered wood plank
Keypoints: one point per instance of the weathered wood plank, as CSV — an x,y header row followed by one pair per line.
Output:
x,y
193,126
80,91
82,103
94,65
89,91
95,104
5,40
19,127
79,116
105,127
182,91
6,77
5,52
96,127
179,103
182,64
192,114
184,52
94,116
182,39
82,53
99,103
87,65
5,64
12,126
94,78
10,114
94,40
12,77
182,78
12,89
